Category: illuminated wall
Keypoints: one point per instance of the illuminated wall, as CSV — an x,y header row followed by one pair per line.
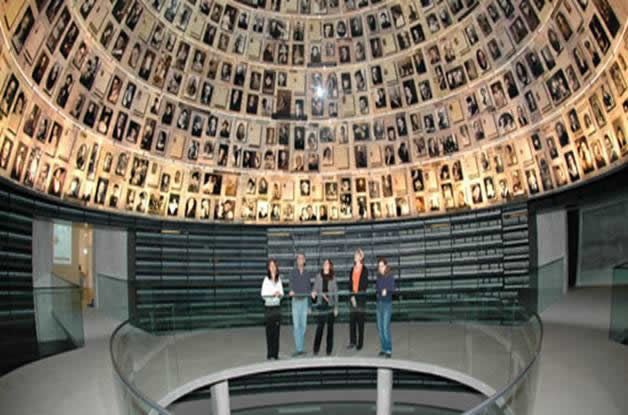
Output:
x,y
310,111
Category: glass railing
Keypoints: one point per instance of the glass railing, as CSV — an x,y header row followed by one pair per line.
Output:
x,y
487,343
58,315
619,305
550,283
362,408
113,296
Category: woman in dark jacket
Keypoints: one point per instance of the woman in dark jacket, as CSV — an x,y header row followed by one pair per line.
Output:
x,y
325,296
358,282
385,287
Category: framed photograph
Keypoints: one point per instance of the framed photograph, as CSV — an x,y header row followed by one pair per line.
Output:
x,y
9,94
619,130
6,152
599,34
57,181
608,16
558,87
23,30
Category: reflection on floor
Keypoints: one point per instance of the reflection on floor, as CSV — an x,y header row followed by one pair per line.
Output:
x,y
14,354
581,372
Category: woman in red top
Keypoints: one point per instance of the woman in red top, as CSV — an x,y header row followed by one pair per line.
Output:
x,y
357,301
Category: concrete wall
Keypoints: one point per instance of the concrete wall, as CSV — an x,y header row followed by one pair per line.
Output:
x,y
603,241
551,278
110,252
551,236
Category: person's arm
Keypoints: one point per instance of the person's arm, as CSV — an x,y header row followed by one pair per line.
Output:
x,y
310,287
364,279
388,287
383,285
334,295
291,284
352,298
318,282
265,292
330,287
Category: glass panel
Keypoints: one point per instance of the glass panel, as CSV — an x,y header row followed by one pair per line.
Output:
x,y
486,343
341,408
113,297
604,234
551,281
58,314
619,305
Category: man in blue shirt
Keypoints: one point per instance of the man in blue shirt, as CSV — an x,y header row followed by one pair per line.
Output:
x,y
300,289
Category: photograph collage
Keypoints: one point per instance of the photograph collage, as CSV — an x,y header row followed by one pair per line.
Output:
x,y
310,111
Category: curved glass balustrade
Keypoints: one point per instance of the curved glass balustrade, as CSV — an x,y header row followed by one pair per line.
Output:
x,y
338,408
619,305
489,344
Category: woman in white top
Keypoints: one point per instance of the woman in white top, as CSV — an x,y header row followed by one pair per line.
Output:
x,y
272,292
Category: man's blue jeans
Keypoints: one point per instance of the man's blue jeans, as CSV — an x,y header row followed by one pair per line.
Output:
x,y
299,320
384,314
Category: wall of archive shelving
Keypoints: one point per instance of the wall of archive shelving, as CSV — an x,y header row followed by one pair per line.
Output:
x,y
17,313
187,276
436,260
194,272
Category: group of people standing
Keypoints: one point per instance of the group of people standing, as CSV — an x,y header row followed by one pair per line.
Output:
x,y
324,300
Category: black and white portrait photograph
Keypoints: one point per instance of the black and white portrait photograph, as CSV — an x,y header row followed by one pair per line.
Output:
x,y
558,87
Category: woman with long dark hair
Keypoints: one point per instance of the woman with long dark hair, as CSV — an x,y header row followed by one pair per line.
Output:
x,y
385,287
325,296
272,292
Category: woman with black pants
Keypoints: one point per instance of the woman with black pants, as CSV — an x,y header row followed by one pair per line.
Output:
x,y
325,297
358,282
272,292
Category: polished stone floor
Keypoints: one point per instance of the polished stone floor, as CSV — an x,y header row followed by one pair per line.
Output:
x,y
580,371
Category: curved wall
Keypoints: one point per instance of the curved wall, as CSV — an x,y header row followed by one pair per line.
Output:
x,y
287,113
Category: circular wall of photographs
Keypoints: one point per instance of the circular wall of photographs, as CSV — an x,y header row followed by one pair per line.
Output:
x,y
310,110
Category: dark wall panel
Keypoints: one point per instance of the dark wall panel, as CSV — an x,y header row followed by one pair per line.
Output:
x,y
17,313
185,276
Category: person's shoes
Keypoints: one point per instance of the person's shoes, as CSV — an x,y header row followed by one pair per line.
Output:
x,y
381,354
329,353
350,346
358,348
297,354
302,353
316,353
388,355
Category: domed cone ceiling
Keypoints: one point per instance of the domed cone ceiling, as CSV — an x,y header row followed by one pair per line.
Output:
x,y
310,111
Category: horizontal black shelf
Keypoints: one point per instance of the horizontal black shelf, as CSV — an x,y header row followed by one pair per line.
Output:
x,y
437,261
